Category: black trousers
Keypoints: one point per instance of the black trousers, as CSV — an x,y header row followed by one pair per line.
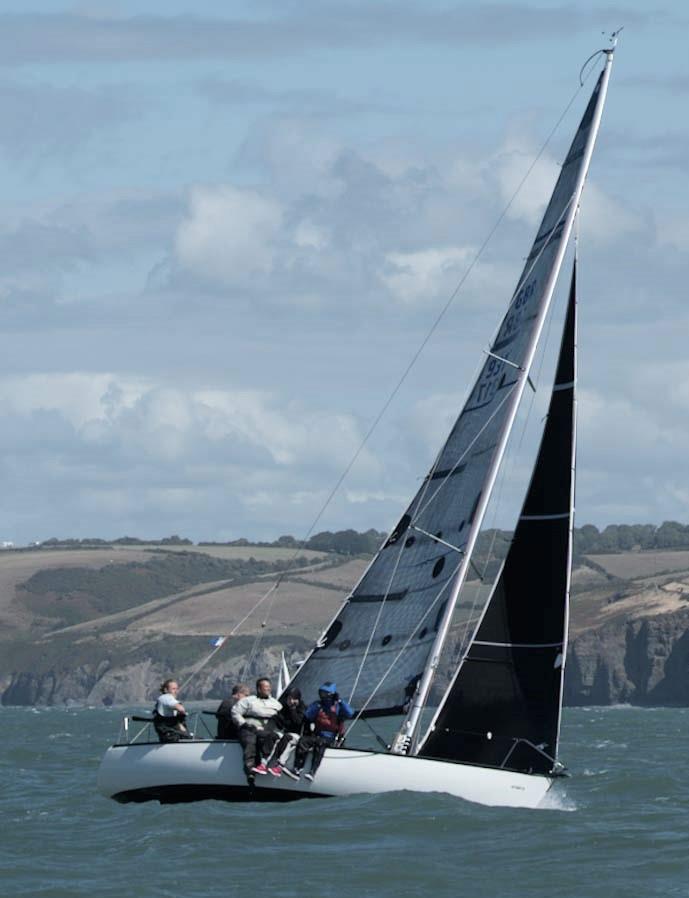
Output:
x,y
257,744
170,729
315,744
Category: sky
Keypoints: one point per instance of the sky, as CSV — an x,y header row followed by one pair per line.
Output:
x,y
228,227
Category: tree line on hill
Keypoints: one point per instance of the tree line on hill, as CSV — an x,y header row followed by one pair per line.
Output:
x,y
89,541
587,540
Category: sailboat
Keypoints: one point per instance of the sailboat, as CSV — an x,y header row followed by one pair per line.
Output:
x,y
493,738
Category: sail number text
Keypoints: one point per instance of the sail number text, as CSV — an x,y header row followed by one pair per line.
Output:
x,y
494,370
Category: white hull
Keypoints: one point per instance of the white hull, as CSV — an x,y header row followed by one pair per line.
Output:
x,y
190,771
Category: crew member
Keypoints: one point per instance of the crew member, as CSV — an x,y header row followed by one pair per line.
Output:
x,y
226,726
250,716
169,715
327,715
290,723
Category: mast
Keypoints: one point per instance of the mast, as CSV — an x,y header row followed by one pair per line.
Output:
x,y
407,738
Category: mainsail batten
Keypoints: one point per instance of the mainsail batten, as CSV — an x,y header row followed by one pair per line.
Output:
x,y
384,648
503,706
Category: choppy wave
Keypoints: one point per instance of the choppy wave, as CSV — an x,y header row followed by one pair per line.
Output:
x,y
622,820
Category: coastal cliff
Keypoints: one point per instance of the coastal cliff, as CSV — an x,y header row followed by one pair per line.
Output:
x,y
132,684
641,661
71,635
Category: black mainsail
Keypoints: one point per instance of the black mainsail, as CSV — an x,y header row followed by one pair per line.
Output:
x,y
384,645
503,708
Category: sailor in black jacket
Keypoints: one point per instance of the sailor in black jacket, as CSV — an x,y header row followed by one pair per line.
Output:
x,y
290,723
226,726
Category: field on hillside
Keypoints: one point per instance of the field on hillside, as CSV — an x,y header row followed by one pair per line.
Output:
x,y
635,565
243,553
343,576
17,567
295,607
57,587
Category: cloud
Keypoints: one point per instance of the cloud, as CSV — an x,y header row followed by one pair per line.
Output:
x,y
324,222
80,262
87,228
296,29
673,232
667,150
297,156
142,417
33,245
510,164
431,418
233,340
633,452
229,234
49,123
100,442
421,276
305,102
327,222
669,84
606,218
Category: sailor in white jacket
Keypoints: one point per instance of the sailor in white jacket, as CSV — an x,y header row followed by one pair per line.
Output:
x,y
251,716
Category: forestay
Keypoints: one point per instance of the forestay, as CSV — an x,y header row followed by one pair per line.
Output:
x,y
378,646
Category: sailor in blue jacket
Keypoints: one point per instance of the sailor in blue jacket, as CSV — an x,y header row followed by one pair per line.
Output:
x,y
327,715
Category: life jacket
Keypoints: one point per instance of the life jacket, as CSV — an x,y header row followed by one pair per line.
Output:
x,y
328,720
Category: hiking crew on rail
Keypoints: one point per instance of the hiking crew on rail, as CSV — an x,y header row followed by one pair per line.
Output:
x,y
268,731
252,716
325,727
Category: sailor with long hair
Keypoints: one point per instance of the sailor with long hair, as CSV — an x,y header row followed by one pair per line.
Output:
x,y
169,714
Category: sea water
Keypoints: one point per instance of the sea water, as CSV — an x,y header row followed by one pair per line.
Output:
x,y
618,826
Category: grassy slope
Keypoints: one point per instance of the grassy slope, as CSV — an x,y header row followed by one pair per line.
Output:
x,y
64,608
134,603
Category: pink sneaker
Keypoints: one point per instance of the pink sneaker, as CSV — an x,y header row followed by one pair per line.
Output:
x,y
275,770
260,768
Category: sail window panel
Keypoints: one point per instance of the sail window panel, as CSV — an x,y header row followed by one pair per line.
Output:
x,y
332,633
448,472
399,531
379,598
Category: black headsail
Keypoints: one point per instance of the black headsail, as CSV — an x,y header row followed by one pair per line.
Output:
x,y
503,708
